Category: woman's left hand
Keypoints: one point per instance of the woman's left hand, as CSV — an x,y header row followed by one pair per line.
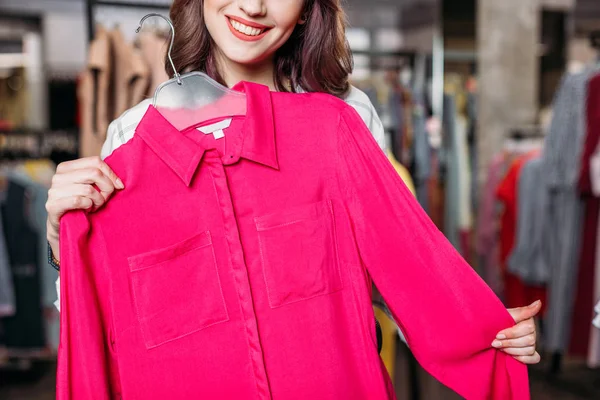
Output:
x,y
520,340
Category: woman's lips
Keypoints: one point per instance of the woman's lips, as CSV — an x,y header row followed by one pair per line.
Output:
x,y
246,30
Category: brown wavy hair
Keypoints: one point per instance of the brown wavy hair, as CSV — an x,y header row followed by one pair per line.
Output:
x,y
316,57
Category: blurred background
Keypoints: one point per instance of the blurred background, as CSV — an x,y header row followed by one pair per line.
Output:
x,y
492,114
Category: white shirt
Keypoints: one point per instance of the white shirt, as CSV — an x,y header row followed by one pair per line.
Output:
x,y
121,130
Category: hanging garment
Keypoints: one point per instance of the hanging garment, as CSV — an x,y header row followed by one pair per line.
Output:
x,y
593,356
122,129
451,177
465,218
93,88
7,290
95,106
126,71
526,260
37,196
396,110
140,80
473,152
487,243
593,359
422,150
210,276
563,148
24,329
516,292
154,50
584,302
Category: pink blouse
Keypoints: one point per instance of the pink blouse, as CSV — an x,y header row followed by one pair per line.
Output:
x,y
240,268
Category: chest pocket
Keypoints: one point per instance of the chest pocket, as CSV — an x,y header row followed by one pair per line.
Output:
x,y
299,253
177,290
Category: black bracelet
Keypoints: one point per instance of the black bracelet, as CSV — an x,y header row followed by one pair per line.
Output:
x,y
51,259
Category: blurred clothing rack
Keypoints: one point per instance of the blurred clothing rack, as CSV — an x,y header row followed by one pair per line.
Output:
x,y
91,6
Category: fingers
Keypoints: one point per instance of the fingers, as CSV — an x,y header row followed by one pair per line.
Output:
x,y
88,163
534,359
86,176
521,329
523,313
523,351
59,207
520,342
74,187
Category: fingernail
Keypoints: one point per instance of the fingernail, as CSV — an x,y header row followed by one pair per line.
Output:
x,y
501,336
535,303
496,344
120,184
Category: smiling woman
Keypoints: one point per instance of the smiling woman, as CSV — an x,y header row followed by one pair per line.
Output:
x,y
289,40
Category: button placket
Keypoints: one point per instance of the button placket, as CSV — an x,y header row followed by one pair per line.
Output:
x,y
240,273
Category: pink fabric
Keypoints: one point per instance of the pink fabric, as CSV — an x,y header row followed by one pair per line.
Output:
x,y
241,268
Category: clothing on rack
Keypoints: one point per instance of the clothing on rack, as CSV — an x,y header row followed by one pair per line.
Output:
x,y
118,76
487,245
451,174
561,162
95,105
465,222
359,209
37,196
400,109
592,164
24,329
457,208
131,74
583,306
7,290
28,175
593,356
526,260
516,292
153,47
422,149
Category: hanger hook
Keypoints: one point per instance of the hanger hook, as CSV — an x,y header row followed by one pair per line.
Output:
x,y
170,45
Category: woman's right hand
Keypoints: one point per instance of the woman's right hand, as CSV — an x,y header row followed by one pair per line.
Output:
x,y
73,189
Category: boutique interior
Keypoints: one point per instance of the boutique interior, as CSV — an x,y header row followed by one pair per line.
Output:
x,y
491,121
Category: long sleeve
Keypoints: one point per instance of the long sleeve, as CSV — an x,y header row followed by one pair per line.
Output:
x,y
449,315
86,364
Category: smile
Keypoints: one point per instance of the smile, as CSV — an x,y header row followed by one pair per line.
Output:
x,y
246,30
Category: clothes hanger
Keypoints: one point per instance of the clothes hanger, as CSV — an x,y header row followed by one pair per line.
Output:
x,y
189,98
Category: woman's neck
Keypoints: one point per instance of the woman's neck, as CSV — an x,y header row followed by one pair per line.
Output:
x,y
233,73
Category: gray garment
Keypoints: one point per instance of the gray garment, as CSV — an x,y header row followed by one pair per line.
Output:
x,y
564,143
527,259
7,290
561,246
449,155
560,162
422,150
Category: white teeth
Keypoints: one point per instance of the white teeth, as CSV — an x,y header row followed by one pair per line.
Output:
x,y
245,29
